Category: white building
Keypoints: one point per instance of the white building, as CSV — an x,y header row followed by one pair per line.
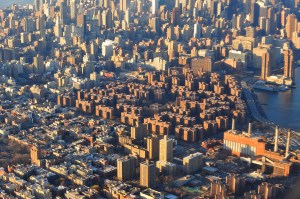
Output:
x,y
107,48
197,30
154,6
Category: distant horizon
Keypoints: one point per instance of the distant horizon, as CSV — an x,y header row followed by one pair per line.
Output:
x,y
8,3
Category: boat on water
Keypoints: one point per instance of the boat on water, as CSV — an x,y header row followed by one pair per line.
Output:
x,y
261,85
283,88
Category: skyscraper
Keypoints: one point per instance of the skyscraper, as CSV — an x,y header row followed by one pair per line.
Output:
x,y
107,18
197,30
38,64
126,168
154,6
291,25
63,13
175,17
37,5
147,174
288,63
265,66
124,5
166,149
57,28
73,10
127,16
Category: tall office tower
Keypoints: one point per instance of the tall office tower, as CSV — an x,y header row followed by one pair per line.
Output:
x,y
191,5
234,21
38,64
107,18
154,6
124,5
81,21
153,147
73,10
37,5
57,28
42,2
265,66
255,14
272,20
166,149
192,163
288,63
128,16
197,30
99,18
106,3
177,3
252,8
155,24
147,174
219,8
212,7
247,7
264,24
239,21
175,17
140,6
126,168
195,13
63,12
283,15
170,32
170,4
291,25
40,24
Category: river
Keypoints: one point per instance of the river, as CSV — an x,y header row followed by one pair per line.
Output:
x,y
8,3
283,108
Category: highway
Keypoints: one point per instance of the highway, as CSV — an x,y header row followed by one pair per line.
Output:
x,y
252,104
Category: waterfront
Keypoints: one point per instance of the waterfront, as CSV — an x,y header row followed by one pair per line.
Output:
x,y
5,3
283,108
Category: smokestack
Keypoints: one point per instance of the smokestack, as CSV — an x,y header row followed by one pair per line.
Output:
x,y
233,124
276,139
287,150
249,129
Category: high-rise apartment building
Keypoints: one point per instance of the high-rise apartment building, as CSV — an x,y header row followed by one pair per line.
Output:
x,y
147,174
288,63
235,184
166,149
192,163
126,168
35,155
265,66
153,147
38,64
291,25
